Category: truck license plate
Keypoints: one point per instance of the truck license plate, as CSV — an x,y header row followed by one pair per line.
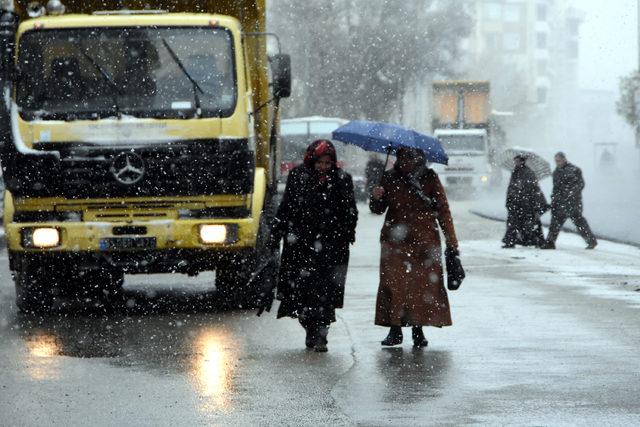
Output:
x,y
127,243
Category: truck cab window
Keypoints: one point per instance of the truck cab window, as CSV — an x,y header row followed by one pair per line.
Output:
x,y
84,69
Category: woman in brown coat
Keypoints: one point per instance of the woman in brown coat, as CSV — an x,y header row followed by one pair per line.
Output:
x,y
412,291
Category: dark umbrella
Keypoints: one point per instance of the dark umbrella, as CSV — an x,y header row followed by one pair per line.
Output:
x,y
387,138
540,166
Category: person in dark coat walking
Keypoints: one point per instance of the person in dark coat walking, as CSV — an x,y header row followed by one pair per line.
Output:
x,y
412,288
373,172
566,202
317,220
525,204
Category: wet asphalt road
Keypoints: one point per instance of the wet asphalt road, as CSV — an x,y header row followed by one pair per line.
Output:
x,y
530,346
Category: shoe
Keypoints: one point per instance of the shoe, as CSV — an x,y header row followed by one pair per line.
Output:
x,y
419,340
394,337
548,245
320,345
592,245
310,340
505,246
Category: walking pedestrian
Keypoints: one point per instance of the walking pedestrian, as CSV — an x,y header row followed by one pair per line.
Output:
x,y
373,172
411,291
317,220
525,204
566,202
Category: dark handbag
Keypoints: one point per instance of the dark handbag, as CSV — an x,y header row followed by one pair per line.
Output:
x,y
455,272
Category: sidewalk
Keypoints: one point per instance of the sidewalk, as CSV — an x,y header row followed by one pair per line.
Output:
x,y
610,208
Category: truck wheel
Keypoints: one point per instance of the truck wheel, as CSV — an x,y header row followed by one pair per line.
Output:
x,y
37,283
232,283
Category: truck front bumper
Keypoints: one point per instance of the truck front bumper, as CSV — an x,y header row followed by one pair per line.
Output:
x,y
466,181
154,246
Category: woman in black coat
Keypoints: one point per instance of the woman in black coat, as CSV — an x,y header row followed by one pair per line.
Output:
x,y
525,204
317,220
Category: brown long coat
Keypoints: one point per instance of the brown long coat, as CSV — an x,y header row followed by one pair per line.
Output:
x,y
412,291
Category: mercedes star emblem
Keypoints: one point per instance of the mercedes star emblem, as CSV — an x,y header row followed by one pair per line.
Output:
x,y
128,168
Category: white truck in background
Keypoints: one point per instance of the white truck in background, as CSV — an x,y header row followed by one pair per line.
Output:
x,y
462,123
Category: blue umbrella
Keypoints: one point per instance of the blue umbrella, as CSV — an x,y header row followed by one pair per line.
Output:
x,y
386,138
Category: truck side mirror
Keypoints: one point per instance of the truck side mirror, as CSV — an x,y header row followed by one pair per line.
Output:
x,y
8,28
281,72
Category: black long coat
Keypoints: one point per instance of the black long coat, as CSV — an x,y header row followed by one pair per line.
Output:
x,y
524,194
525,203
317,221
568,183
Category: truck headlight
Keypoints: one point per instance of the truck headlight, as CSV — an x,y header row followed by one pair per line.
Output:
x,y
44,237
212,234
484,179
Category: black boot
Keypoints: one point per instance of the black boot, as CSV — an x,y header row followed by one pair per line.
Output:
x,y
419,339
394,337
310,340
320,345
548,245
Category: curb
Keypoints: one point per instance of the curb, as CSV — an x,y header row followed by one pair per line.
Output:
x,y
565,228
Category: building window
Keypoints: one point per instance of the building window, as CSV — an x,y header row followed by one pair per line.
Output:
x,y
541,12
493,41
541,40
574,27
493,10
542,67
573,49
542,95
512,12
512,41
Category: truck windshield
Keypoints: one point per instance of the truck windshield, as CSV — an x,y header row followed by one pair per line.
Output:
x,y
60,82
462,143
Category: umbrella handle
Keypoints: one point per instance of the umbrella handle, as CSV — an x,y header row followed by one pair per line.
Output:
x,y
384,169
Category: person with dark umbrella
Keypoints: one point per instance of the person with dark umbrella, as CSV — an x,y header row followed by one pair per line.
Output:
x,y
525,204
317,220
412,285
566,202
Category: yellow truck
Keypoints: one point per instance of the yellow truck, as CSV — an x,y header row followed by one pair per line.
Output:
x,y
136,140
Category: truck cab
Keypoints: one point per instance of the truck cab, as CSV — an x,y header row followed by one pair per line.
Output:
x,y
462,122
137,141
468,152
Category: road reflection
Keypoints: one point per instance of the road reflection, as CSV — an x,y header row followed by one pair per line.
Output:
x,y
213,369
42,349
413,375
164,336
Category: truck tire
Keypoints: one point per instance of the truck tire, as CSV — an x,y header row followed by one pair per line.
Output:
x,y
38,282
232,282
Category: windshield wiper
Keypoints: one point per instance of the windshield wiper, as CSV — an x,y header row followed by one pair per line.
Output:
x,y
194,83
116,90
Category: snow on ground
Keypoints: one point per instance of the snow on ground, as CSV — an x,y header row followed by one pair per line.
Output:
x,y
611,204
611,270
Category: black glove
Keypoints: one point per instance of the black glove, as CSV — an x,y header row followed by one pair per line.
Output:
x,y
265,301
267,277
455,272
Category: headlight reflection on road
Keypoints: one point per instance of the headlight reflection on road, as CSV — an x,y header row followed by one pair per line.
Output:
x,y
213,370
43,350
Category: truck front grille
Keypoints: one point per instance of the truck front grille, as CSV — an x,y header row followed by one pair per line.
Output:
x,y
185,169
